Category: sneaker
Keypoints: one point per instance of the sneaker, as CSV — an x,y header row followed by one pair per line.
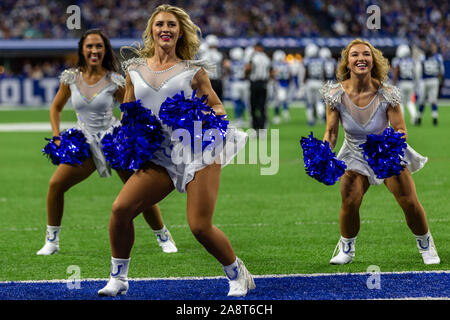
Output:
x,y
428,251
48,249
167,244
242,282
114,287
346,251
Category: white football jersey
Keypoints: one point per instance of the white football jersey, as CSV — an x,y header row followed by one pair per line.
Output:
x,y
215,57
314,68
406,67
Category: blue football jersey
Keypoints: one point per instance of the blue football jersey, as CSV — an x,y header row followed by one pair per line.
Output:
x,y
406,68
330,66
432,66
237,70
282,72
314,68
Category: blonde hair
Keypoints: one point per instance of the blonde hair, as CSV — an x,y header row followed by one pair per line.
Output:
x,y
380,67
186,47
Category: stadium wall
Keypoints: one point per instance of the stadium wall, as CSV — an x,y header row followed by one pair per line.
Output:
x,y
22,91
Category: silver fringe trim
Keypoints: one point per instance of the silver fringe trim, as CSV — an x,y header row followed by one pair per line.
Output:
x,y
331,93
391,93
133,61
203,63
117,79
68,76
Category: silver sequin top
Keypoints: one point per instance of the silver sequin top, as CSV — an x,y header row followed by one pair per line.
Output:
x,y
358,122
153,87
93,103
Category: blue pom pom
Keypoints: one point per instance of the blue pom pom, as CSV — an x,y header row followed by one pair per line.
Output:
x,y
73,148
320,163
179,112
132,144
111,148
384,153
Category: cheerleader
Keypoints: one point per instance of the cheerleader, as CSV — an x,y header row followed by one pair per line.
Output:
x,y
92,86
164,68
365,104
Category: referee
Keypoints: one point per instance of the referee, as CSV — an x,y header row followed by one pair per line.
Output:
x,y
258,71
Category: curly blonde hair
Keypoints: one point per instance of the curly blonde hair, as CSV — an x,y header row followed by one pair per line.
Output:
x,y
380,63
187,46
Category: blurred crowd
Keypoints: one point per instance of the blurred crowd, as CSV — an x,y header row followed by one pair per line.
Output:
x,y
422,22
128,18
36,68
232,18
416,21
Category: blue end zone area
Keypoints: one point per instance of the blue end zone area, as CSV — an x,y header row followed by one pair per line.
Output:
x,y
405,285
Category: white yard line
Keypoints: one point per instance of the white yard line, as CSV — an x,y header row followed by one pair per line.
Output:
x,y
220,225
33,126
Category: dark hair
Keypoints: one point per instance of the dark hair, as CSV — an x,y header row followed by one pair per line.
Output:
x,y
110,61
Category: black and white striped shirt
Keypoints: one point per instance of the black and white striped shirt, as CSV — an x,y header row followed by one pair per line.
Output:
x,y
261,64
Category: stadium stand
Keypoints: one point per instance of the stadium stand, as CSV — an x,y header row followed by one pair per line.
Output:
x,y
293,23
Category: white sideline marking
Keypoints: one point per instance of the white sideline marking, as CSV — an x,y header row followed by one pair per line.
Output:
x,y
295,275
33,126
220,225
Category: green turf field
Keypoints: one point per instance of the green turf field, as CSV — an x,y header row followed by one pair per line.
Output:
x,y
278,224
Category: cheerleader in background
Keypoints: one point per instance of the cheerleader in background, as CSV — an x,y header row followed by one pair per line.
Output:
x,y
93,86
365,104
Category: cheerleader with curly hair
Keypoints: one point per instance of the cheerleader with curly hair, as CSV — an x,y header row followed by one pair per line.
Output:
x,y
366,104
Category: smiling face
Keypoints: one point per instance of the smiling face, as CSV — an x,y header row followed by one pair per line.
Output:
x,y
94,50
360,60
166,30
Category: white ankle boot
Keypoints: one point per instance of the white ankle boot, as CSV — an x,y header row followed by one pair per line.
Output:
x,y
48,249
427,249
118,281
242,282
166,241
114,287
346,251
51,245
